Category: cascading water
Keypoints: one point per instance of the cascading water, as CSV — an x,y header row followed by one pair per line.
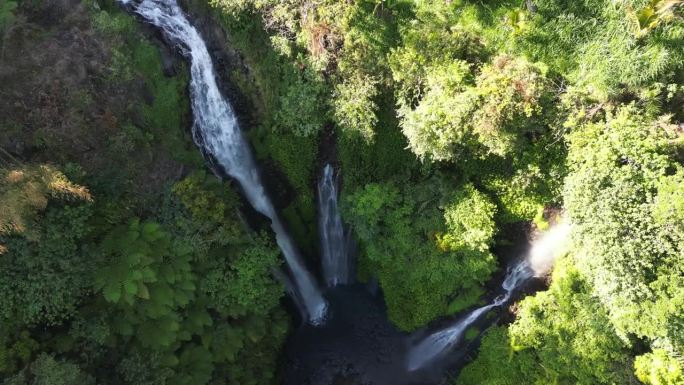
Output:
x,y
545,248
441,341
539,260
337,262
217,131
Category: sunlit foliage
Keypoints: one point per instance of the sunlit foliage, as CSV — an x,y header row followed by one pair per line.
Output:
x,y
123,261
26,191
616,167
417,247
659,368
560,336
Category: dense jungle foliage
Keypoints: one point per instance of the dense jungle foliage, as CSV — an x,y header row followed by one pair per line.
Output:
x,y
123,260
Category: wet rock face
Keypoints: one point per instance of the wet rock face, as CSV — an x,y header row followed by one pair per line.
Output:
x,y
358,345
227,60
247,102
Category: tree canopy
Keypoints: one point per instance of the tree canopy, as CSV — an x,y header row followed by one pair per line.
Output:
x,y
460,126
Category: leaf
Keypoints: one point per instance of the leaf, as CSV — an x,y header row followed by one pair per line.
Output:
x,y
181,298
129,300
187,285
206,318
112,293
136,275
143,292
169,324
134,259
169,360
168,273
150,231
149,275
131,287
207,339
122,326
184,336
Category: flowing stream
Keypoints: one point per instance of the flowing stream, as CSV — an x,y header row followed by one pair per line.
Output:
x,y
539,260
439,342
217,131
337,261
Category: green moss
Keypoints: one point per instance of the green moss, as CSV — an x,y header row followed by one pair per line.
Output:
x,y
166,116
262,86
541,222
6,13
417,251
466,299
300,215
472,333
383,158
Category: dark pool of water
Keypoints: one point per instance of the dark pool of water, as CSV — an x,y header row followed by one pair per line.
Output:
x,y
358,345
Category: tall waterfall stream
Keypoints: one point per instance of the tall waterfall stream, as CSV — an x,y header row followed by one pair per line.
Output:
x,y
347,334
336,250
217,131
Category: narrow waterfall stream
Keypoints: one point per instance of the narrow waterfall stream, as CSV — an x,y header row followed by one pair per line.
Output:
x,y
440,342
336,254
539,260
217,131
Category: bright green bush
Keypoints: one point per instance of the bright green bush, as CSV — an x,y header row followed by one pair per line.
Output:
x,y
244,286
424,255
569,332
456,118
303,105
354,108
469,220
497,363
560,336
600,46
149,279
616,166
439,127
512,92
659,368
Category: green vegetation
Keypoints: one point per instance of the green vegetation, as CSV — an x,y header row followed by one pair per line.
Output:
x,y
123,262
510,111
415,247
560,336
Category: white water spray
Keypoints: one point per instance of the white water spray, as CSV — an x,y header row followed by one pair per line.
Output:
x,y
547,246
337,261
538,261
217,131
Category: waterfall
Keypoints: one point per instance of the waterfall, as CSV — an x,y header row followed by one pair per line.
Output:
x,y
441,341
337,263
437,343
216,130
539,260
545,248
